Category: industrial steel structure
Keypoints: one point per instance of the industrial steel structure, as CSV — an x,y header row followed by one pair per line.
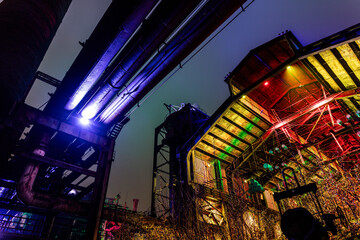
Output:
x,y
288,133
293,111
55,163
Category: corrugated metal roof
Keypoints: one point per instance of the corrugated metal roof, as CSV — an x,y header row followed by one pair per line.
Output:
x,y
246,123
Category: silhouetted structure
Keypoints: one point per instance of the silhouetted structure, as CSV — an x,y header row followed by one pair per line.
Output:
x,y
55,163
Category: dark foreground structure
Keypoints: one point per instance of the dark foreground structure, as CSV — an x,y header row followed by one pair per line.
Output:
x,y
287,137
55,162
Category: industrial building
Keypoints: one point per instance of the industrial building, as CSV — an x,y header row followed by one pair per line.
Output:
x,y
287,136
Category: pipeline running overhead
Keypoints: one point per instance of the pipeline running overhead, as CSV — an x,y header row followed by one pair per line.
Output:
x,y
114,29
115,71
206,20
147,40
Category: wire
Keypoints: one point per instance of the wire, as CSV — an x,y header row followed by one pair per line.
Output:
x,y
190,58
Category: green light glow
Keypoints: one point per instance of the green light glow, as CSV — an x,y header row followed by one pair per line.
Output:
x,y
222,156
220,175
235,141
256,119
242,134
249,127
228,149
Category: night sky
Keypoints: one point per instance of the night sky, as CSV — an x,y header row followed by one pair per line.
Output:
x,y
201,81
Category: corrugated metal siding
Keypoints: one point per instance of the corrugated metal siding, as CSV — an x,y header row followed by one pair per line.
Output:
x,y
336,67
241,124
343,76
324,73
351,59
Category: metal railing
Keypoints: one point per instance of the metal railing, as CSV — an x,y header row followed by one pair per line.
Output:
x,y
22,224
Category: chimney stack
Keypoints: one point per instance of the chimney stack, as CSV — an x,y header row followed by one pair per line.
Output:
x,y
135,204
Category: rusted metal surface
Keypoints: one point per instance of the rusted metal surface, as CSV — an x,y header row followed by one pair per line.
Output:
x,y
29,27
28,196
29,115
58,163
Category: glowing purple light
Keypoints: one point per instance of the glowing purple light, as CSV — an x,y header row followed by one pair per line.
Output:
x,y
124,98
72,192
78,95
96,71
89,112
96,103
84,121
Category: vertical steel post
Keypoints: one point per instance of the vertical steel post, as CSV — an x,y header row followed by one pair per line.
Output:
x,y
48,225
156,150
100,188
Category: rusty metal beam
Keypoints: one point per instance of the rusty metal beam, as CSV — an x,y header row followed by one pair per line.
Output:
x,y
346,94
29,115
240,127
226,142
218,149
212,156
232,134
331,98
57,163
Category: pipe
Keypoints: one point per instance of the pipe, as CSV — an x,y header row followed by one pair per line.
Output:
x,y
153,32
211,16
26,30
113,30
105,41
135,204
28,196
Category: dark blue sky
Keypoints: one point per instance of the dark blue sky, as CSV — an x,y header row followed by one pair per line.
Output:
x,y
201,81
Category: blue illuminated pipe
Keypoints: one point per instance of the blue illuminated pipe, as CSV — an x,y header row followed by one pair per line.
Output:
x,y
114,29
211,16
154,31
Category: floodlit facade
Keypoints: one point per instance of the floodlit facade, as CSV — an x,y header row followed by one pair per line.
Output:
x,y
287,137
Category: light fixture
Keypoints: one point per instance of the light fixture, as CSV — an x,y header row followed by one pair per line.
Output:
x,y
84,121
266,83
358,113
39,152
72,192
288,67
89,112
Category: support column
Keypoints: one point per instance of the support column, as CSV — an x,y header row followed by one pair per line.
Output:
x,y
99,191
48,225
156,150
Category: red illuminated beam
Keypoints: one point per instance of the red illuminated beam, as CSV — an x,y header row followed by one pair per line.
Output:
x,y
336,96
346,94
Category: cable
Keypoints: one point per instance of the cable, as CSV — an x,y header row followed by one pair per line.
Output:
x,y
191,57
